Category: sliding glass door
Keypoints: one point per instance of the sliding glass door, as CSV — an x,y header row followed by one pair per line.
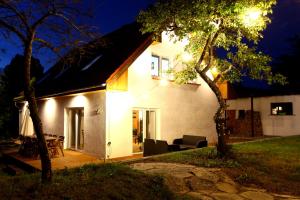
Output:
x,y
144,126
75,128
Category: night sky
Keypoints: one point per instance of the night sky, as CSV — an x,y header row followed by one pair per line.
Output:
x,y
111,14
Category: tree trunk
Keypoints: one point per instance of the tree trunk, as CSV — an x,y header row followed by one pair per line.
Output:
x,y
219,116
37,124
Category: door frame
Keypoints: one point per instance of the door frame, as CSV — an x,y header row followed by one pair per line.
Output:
x,y
67,127
157,123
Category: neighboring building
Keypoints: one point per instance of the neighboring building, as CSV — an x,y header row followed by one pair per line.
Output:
x,y
120,93
279,114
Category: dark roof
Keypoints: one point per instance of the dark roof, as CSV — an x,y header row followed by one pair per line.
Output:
x,y
91,69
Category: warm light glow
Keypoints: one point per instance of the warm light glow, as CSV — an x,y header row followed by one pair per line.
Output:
x,y
117,105
50,106
163,82
187,57
251,16
78,101
214,71
210,75
145,96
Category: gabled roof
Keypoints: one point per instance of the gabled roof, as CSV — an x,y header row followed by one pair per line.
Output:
x,y
101,59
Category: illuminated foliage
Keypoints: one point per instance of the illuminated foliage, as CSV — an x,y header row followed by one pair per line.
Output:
x,y
231,26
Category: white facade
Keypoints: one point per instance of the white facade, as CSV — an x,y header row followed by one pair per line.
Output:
x,y
274,125
180,109
107,116
54,116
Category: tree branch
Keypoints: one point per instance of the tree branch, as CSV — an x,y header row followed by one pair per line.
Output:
x,y
13,29
40,20
19,14
203,52
220,75
68,21
48,45
211,56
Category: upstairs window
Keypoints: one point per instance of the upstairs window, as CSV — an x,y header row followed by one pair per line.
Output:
x,y
160,67
155,66
165,67
285,108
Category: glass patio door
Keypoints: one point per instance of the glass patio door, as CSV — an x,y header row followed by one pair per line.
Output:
x,y
144,126
76,128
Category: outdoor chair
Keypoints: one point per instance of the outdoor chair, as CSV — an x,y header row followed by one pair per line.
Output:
x,y
52,148
61,143
191,142
29,147
152,147
149,147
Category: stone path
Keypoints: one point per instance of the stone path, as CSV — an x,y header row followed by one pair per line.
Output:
x,y
205,183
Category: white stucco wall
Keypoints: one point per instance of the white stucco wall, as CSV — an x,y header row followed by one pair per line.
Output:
x,y
181,109
277,125
53,113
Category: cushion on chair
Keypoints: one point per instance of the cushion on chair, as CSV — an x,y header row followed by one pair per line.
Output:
x,y
161,146
192,139
149,147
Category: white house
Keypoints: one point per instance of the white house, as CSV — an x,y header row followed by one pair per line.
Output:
x,y
280,115
120,92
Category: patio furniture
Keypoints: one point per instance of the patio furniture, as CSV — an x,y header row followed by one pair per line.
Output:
x,y
61,140
149,147
29,147
52,146
152,147
191,142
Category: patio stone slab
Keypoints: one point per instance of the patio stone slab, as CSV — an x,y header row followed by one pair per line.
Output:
x,y
254,195
226,187
227,196
206,183
206,175
199,196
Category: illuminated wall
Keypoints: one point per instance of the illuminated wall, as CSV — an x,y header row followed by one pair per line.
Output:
x,y
53,112
276,125
118,124
181,109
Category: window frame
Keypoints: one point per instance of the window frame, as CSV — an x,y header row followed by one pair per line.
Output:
x,y
158,66
165,74
161,73
287,108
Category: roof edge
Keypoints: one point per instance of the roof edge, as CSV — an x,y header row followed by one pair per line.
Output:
x,y
69,92
125,65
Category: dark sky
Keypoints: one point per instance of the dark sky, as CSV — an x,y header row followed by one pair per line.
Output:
x,y
111,14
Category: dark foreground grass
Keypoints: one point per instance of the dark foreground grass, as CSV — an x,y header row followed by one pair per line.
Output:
x,y
109,181
273,164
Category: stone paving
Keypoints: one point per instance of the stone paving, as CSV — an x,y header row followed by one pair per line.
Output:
x,y
205,183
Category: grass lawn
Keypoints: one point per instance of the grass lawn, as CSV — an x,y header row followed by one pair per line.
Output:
x,y
273,164
109,181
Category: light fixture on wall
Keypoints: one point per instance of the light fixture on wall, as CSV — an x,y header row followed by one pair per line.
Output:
x,y
50,106
79,101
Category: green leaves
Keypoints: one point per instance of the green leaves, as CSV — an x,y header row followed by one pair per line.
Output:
x,y
237,26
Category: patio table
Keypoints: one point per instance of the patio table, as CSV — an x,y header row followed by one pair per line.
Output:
x,y
29,146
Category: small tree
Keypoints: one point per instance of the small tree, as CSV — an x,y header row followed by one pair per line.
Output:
x,y
38,24
233,27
